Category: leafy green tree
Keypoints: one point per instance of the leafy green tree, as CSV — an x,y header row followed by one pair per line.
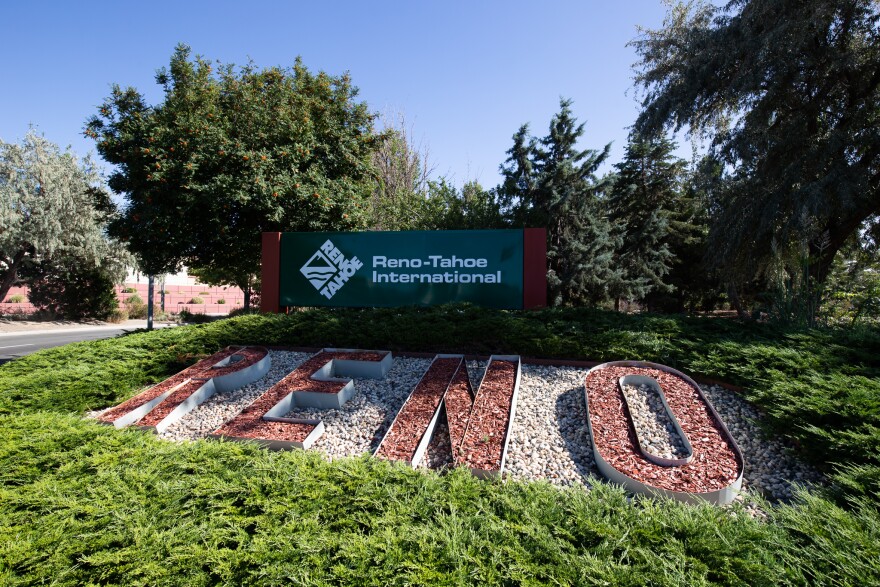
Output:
x,y
229,154
550,183
641,205
472,208
51,208
855,281
789,94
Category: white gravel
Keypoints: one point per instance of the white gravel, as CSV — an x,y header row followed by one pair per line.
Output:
x,y
549,439
656,432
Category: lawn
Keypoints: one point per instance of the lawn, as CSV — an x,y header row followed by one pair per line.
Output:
x,y
83,503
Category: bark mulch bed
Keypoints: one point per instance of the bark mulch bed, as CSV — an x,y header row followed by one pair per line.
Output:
x,y
412,421
483,444
251,356
714,465
201,370
459,402
250,424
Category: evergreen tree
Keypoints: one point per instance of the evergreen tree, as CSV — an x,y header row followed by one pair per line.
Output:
x,y
550,183
516,192
696,282
788,93
642,209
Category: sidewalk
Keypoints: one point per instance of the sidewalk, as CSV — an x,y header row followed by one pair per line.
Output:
x,y
8,327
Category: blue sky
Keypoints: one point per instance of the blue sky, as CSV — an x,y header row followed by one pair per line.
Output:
x,y
465,74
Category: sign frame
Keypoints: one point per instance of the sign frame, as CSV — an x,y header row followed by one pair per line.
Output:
x,y
295,275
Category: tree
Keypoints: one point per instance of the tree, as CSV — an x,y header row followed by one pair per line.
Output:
x,y
789,93
51,208
695,281
641,207
402,179
229,154
471,208
550,183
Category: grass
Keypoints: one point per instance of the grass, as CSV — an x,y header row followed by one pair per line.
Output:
x,y
86,504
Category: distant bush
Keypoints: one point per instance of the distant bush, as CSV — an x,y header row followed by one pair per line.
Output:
x,y
193,318
196,300
15,299
14,314
128,290
221,301
73,289
136,307
204,293
243,311
118,315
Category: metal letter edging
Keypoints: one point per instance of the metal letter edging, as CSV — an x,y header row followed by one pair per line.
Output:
x,y
722,492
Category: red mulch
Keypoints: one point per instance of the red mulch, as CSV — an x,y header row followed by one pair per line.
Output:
x,y
250,424
168,405
714,465
459,401
483,441
201,369
412,420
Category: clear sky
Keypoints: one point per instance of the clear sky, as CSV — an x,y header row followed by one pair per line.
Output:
x,y
465,74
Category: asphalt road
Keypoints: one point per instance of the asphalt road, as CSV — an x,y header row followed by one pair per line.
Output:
x,y
18,344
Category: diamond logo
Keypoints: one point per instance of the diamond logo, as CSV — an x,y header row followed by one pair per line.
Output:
x,y
328,269
318,270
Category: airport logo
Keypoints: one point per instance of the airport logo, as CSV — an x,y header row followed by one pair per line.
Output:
x,y
328,269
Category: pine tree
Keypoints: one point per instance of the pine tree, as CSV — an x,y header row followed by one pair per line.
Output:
x,y
550,183
642,210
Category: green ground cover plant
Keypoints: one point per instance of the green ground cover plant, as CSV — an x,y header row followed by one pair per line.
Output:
x,y
82,503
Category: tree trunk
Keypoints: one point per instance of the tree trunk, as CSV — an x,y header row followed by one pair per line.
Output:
x,y
11,274
247,298
736,302
151,294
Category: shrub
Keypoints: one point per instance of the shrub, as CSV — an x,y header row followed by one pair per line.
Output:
x,y
15,299
118,315
128,290
221,301
204,293
137,309
71,288
243,311
196,300
14,314
193,318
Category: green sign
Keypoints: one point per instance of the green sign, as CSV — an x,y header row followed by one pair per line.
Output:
x,y
421,268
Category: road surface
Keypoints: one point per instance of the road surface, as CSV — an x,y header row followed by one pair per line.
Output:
x,y
18,344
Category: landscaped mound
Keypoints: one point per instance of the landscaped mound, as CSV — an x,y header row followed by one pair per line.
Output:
x,y
86,504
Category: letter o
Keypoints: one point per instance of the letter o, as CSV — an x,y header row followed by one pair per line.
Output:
x,y
714,474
